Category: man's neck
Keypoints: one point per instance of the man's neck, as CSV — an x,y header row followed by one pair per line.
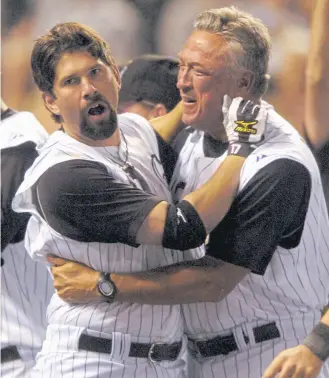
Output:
x,y
218,134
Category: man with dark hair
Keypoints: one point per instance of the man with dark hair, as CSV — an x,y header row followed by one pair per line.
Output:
x,y
98,195
149,86
25,285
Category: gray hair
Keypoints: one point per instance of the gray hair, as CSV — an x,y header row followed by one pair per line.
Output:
x,y
240,29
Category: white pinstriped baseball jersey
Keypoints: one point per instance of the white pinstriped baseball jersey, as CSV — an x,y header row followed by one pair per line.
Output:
x,y
26,286
123,322
295,285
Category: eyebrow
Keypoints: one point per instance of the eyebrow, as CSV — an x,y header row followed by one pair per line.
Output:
x,y
193,64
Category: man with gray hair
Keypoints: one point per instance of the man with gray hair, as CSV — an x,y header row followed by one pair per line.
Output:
x,y
270,276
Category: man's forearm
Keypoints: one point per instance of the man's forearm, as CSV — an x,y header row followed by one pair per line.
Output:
x,y
203,280
185,282
317,78
169,125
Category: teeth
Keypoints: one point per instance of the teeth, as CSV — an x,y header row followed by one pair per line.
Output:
x,y
96,109
94,106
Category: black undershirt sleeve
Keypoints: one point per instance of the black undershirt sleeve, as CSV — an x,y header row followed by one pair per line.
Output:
x,y
15,161
269,212
80,200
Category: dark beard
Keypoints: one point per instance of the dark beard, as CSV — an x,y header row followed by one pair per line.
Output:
x,y
100,130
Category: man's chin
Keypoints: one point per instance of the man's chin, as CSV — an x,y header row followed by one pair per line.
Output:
x,y
193,121
188,119
99,131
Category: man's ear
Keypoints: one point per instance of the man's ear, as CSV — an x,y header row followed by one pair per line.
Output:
x,y
50,103
159,110
245,83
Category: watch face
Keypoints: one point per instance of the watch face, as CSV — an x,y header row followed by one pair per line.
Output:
x,y
106,288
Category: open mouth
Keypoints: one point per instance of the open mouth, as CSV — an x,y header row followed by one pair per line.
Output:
x,y
97,110
188,100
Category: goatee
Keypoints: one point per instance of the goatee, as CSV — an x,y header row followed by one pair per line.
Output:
x,y
99,130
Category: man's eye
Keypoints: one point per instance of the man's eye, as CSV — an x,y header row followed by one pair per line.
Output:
x,y
200,73
71,81
95,71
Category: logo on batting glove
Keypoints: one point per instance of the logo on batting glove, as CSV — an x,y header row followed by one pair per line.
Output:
x,y
245,127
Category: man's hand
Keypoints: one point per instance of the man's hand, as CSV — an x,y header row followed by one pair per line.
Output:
x,y
74,282
244,123
297,362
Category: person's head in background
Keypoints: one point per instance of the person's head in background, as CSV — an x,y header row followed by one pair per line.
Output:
x,y
148,86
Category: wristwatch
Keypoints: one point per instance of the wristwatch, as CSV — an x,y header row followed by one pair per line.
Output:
x,y
107,287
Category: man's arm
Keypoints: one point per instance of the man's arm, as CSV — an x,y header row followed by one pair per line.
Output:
x,y
317,78
169,125
304,360
203,280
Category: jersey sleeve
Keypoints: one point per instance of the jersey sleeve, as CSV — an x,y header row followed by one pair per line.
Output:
x,y
15,161
269,212
82,201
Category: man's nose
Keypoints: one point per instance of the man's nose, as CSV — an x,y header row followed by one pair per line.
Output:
x,y
184,79
88,89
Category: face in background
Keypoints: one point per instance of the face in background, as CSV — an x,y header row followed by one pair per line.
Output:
x,y
85,95
205,76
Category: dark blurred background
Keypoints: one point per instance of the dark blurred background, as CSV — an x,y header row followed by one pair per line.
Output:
x,y
151,26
